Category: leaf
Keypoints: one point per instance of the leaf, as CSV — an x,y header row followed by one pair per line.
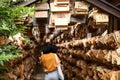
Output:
x,y
1,63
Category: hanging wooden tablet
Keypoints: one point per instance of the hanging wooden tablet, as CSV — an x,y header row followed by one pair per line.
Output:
x,y
81,8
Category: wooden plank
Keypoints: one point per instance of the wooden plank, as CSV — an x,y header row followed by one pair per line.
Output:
x,y
41,14
59,8
57,2
27,3
61,27
59,19
61,22
101,18
42,6
81,6
115,75
107,7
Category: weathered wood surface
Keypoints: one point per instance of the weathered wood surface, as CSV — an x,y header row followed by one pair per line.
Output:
x,y
23,67
95,58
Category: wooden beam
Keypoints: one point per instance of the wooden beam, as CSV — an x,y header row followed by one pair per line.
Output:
x,y
27,3
118,4
107,7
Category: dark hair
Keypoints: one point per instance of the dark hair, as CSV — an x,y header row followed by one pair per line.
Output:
x,y
49,48
54,49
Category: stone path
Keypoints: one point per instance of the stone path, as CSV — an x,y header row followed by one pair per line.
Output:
x,y
38,73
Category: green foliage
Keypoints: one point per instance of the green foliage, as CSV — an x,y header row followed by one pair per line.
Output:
x,y
8,13
44,0
7,16
8,52
27,39
17,12
5,3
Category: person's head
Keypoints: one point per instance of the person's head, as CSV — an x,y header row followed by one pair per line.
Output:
x,y
49,49
46,49
54,49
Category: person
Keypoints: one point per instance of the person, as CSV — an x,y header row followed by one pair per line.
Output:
x,y
54,49
48,61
